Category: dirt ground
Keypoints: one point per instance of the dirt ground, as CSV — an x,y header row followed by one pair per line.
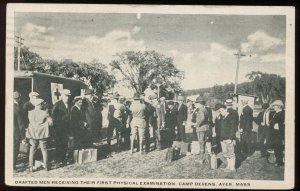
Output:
x,y
153,165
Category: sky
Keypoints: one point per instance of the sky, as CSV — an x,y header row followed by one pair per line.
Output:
x,y
203,46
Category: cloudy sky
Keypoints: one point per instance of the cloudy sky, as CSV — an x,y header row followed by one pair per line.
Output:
x,y
203,46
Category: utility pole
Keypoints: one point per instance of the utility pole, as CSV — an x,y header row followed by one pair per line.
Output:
x,y
19,41
238,55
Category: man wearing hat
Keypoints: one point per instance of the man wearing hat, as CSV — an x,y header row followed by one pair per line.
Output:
x,y
137,122
78,124
38,132
89,110
246,125
61,119
277,125
19,126
182,115
227,135
263,121
202,126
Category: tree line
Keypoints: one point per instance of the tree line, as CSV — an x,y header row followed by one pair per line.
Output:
x,y
142,69
267,87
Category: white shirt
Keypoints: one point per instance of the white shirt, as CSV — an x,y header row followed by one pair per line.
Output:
x,y
266,118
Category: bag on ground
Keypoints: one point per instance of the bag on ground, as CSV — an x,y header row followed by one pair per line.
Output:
x,y
184,147
24,148
85,156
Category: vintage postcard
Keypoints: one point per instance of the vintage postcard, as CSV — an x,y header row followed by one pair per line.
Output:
x,y
150,96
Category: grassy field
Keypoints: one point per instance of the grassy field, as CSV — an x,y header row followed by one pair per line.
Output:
x,y
153,165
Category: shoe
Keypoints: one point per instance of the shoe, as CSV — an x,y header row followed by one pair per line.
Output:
x,y
31,169
278,164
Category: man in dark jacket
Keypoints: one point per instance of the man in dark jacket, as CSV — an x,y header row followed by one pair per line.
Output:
x,y
90,116
182,115
277,125
263,121
246,120
229,107
171,122
227,135
19,126
78,124
61,121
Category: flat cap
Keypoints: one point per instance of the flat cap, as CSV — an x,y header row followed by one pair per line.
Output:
x,y
37,101
278,103
66,92
33,94
219,106
16,95
228,102
200,100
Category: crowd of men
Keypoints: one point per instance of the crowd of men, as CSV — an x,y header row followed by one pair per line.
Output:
x,y
131,121
69,123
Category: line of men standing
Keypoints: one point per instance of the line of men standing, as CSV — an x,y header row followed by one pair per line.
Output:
x,y
78,123
138,117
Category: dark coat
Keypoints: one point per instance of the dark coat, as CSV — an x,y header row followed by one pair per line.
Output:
x,y
19,123
278,118
90,115
227,130
246,119
182,114
210,116
61,118
81,134
28,106
77,122
171,115
98,114
260,117
236,117
218,126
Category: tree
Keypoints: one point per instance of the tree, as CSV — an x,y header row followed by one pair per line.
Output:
x,y
28,59
94,72
139,69
268,87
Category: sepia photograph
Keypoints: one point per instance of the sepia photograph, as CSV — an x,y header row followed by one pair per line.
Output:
x,y
150,96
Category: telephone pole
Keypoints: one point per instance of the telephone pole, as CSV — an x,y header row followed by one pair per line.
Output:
x,y
239,54
19,41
